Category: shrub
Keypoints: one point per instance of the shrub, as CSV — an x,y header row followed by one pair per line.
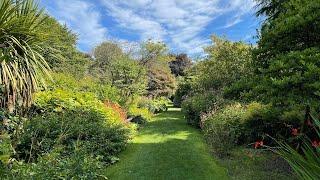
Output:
x,y
59,100
86,128
67,82
261,120
223,129
54,166
68,119
139,115
181,93
244,124
6,152
196,105
118,109
154,105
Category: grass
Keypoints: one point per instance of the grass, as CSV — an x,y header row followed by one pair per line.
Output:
x,y
167,148
251,164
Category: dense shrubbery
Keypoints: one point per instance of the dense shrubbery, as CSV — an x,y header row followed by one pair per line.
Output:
x,y
154,105
70,129
273,82
197,105
243,124
139,115
182,92
90,130
224,129
53,165
238,94
87,84
80,120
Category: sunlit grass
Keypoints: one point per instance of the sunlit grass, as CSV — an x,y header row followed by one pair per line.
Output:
x,y
167,148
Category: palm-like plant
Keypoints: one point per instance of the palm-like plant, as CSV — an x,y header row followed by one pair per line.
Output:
x,y
22,67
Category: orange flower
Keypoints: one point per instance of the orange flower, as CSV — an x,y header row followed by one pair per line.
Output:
x,y
258,144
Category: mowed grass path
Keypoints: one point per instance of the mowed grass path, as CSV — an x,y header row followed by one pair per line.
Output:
x,y
167,148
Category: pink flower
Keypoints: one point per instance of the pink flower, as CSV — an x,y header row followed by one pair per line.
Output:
x,y
258,144
294,131
315,143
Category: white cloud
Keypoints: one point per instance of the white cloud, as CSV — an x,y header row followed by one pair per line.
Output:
x,y
240,8
82,18
177,22
232,22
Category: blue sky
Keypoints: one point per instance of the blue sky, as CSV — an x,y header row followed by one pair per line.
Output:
x,y
184,25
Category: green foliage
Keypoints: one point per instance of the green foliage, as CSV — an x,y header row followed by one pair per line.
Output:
x,y
270,8
22,66
261,120
58,100
156,59
91,130
183,90
197,105
103,92
238,124
113,66
223,129
306,163
154,105
227,62
129,77
286,60
59,49
180,65
54,166
139,115
6,150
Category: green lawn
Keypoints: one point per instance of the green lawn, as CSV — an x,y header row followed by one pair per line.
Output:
x,y
167,148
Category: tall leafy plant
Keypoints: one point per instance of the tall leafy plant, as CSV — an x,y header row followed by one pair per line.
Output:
x,y
306,164
22,67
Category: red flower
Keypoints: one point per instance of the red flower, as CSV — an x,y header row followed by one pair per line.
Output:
x,y
315,143
258,144
294,131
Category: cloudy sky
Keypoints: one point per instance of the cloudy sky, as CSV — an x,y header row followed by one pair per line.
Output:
x,y
185,25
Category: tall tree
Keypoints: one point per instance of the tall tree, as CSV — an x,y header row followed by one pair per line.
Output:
x,y
155,58
22,66
114,66
106,55
270,8
59,49
180,64
287,57
227,62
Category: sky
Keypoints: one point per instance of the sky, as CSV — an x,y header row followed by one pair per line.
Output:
x,y
184,25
